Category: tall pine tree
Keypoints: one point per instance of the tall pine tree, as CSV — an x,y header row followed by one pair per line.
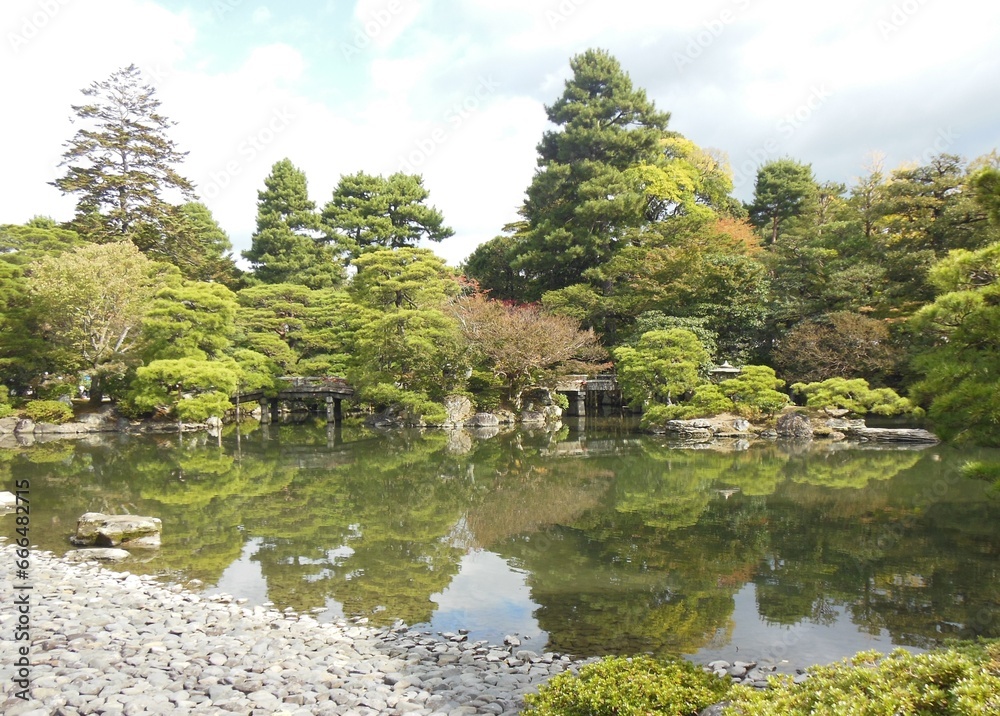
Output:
x,y
121,163
286,247
369,212
582,199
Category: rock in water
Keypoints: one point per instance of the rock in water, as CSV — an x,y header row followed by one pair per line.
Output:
x,y
794,425
102,554
95,529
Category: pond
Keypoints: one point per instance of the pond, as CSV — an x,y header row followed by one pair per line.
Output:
x,y
591,540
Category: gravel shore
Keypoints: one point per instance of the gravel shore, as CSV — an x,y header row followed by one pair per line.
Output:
x,y
105,642
108,642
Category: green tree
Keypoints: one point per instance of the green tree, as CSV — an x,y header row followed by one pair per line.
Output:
x,y
25,355
959,359
691,267
406,349
986,184
755,391
193,319
304,331
854,395
580,200
491,266
784,189
121,163
197,245
39,237
661,368
369,211
190,388
286,247
91,302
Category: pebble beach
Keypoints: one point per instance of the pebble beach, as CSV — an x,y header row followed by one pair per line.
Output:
x,y
111,642
107,642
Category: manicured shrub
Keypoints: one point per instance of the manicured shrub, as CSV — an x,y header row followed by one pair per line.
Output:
x,y
47,411
854,395
951,682
619,686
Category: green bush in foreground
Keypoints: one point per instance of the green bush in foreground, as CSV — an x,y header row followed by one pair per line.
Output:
x,y
964,681
47,411
619,686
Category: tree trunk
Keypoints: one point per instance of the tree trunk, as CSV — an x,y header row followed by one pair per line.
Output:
x,y
96,389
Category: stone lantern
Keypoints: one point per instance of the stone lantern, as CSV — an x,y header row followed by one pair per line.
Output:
x,y
723,371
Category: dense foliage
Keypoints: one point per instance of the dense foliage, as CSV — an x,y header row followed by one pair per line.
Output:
x,y
634,686
629,244
951,682
964,680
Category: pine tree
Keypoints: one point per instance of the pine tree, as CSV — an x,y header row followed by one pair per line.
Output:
x,y
286,248
121,163
368,212
581,199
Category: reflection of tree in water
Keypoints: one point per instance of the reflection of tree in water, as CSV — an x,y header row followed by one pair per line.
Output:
x,y
915,556
522,488
854,469
370,533
637,548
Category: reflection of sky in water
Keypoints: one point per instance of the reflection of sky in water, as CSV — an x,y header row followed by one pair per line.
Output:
x,y
804,643
489,599
245,580
486,597
243,577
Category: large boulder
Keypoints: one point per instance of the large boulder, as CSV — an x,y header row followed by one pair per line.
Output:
x,y
794,425
95,529
25,425
483,420
459,409
532,417
105,417
536,398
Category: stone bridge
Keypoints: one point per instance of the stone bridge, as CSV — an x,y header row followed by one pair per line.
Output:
x,y
328,390
592,394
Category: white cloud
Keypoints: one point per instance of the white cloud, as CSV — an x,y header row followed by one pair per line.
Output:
x,y
244,104
384,21
261,15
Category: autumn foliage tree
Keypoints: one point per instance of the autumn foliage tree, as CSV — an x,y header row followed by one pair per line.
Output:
x,y
840,344
521,345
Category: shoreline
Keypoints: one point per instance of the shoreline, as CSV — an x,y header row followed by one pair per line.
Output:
x,y
104,641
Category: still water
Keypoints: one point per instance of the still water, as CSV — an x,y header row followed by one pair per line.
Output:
x,y
591,540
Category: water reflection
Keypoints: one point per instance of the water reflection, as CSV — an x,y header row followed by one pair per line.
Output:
x,y
591,541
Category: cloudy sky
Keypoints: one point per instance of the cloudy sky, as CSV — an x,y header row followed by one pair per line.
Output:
x,y
456,91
